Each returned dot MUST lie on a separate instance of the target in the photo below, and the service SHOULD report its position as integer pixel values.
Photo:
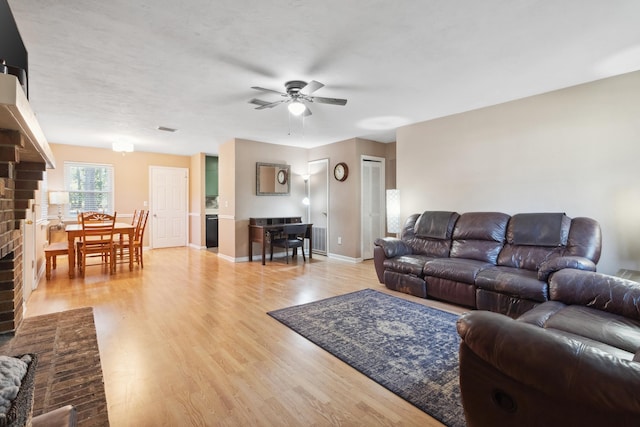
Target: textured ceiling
(105, 71)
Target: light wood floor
(187, 341)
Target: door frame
(325, 163)
(152, 207)
(29, 255)
(364, 158)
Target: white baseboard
(344, 258)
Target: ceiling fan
(297, 94)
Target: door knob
(28, 221)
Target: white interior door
(169, 189)
(319, 204)
(372, 203)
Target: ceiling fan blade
(323, 100)
(311, 87)
(268, 90)
(259, 102)
(264, 104)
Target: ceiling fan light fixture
(122, 147)
(296, 108)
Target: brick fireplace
(18, 184)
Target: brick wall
(18, 183)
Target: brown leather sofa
(571, 361)
(486, 260)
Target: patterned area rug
(69, 369)
(408, 348)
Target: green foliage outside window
(90, 187)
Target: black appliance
(212, 230)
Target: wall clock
(282, 177)
(341, 171)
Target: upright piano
(261, 231)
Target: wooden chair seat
(50, 254)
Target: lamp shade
(393, 211)
(296, 108)
(58, 197)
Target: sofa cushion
(514, 282)
(435, 224)
(480, 250)
(409, 264)
(455, 269)
(527, 257)
(606, 348)
(600, 291)
(612, 329)
(479, 236)
(607, 331)
(539, 229)
(481, 226)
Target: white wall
(574, 150)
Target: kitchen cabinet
(211, 175)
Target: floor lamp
(59, 198)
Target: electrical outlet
(339, 240)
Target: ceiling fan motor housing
(294, 86)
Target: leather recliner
(571, 361)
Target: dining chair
(51, 253)
(293, 237)
(90, 215)
(124, 238)
(96, 239)
(122, 247)
(57, 246)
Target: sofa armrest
(552, 364)
(555, 264)
(393, 246)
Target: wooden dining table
(74, 231)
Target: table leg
(71, 254)
(264, 238)
(131, 232)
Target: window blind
(90, 187)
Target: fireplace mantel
(16, 114)
(24, 157)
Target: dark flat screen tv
(12, 48)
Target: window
(90, 187)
